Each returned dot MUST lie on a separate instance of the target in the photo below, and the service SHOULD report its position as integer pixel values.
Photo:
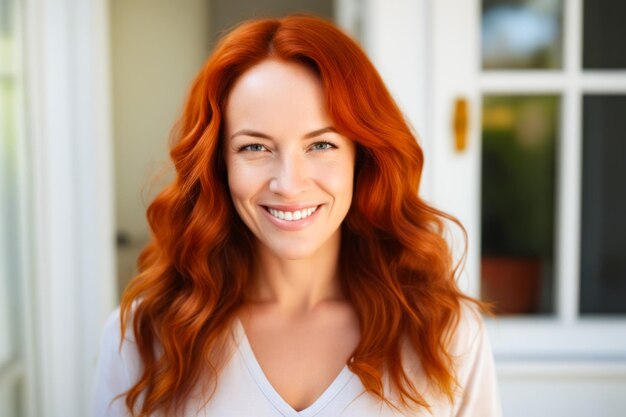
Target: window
(539, 185)
(553, 86)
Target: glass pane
(521, 34)
(519, 135)
(603, 34)
(603, 232)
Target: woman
(293, 269)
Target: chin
(299, 247)
(293, 253)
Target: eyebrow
(248, 132)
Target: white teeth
(292, 215)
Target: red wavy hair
(396, 267)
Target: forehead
(276, 95)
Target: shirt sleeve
(478, 394)
(112, 374)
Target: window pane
(521, 34)
(603, 34)
(603, 232)
(517, 202)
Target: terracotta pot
(512, 283)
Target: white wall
(563, 390)
(157, 48)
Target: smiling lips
(291, 215)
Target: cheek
(242, 181)
(337, 178)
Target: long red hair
(396, 267)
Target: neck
(297, 286)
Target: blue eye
(254, 147)
(322, 146)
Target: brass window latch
(460, 124)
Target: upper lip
(290, 207)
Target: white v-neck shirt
(243, 389)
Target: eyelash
(332, 146)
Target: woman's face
(290, 173)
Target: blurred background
(520, 106)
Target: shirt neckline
(270, 392)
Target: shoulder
(117, 368)
(464, 334)
(112, 329)
(474, 367)
(469, 332)
(112, 347)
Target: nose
(290, 177)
